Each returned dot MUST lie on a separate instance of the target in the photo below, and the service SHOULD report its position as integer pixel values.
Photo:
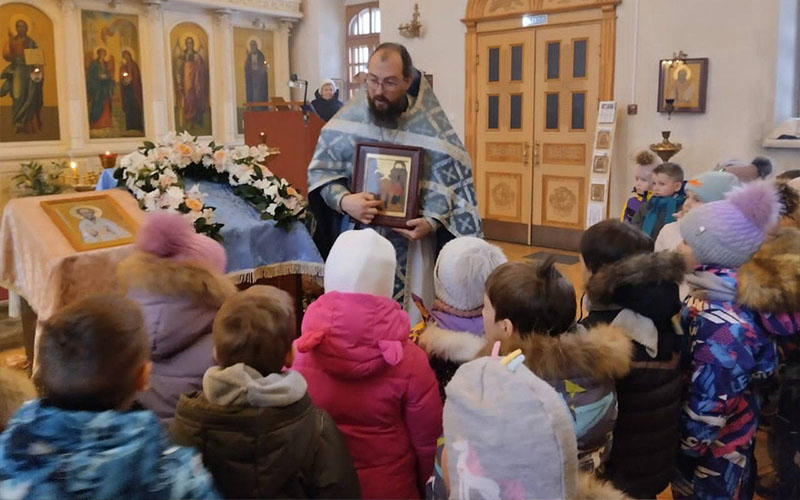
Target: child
(769, 283)
(531, 307)
(176, 278)
(261, 437)
(81, 440)
(530, 452)
(454, 331)
(15, 389)
(635, 289)
(759, 168)
(729, 348)
(667, 200)
(705, 188)
(643, 182)
(362, 368)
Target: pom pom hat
(727, 233)
(171, 236)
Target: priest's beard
(389, 116)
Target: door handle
(525, 148)
(536, 159)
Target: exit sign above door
(533, 20)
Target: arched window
(363, 35)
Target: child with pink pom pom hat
(176, 277)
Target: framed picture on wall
(600, 165)
(391, 173)
(685, 81)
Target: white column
(159, 119)
(225, 111)
(281, 55)
(76, 94)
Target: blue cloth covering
(249, 241)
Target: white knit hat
(361, 262)
(461, 271)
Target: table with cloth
(38, 262)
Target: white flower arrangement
(154, 174)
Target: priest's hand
(363, 207)
(419, 229)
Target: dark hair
(611, 240)
(672, 170)
(789, 175)
(789, 198)
(90, 353)
(408, 65)
(763, 165)
(255, 327)
(535, 297)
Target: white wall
(317, 44)
(440, 50)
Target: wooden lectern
(285, 126)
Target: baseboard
(511, 232)
(556, 237)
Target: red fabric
(378, 387)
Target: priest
(399, 107)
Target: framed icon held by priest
(391, 173)
(91, 221)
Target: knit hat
(727, 233)
(712, 186)
(361, 262)
(461, 270)
(327, 81)
(171, 236)
(507, 435)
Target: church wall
(155, 21)
(740, 38)
(318, 44)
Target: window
(363, 35)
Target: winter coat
(326, 108)
(729, 349)
(632, 205)
(269, 441)
(449, 348)
(770, 284)
(658, 212)
(47, 452)
(582, 366)
(640, 295)
(364, 371)
(179, 302)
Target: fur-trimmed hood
(592, 488)
(450, 345)
(147, 273)
(602, 352)
(638, 270)
(770, 281)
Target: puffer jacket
(364, 371)
(48, 452)
(179, 302)
(268, 440)
(582, 365)
(640, 295)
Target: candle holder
(108, 159)
(666, 149)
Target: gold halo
(74, 211)
(12, 23)
(193, 36)
(682, 67)
(98, 47)
(259, 43)
(123, 49)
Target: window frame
(371, 40)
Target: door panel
(505, 126)
(567, 81)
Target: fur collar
(592, 488)
(770, 281)
(603, 352)
(146, 272)
(635, 270)
(459, 347)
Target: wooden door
(567, 83)
(505, 126)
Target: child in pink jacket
(364, 371)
